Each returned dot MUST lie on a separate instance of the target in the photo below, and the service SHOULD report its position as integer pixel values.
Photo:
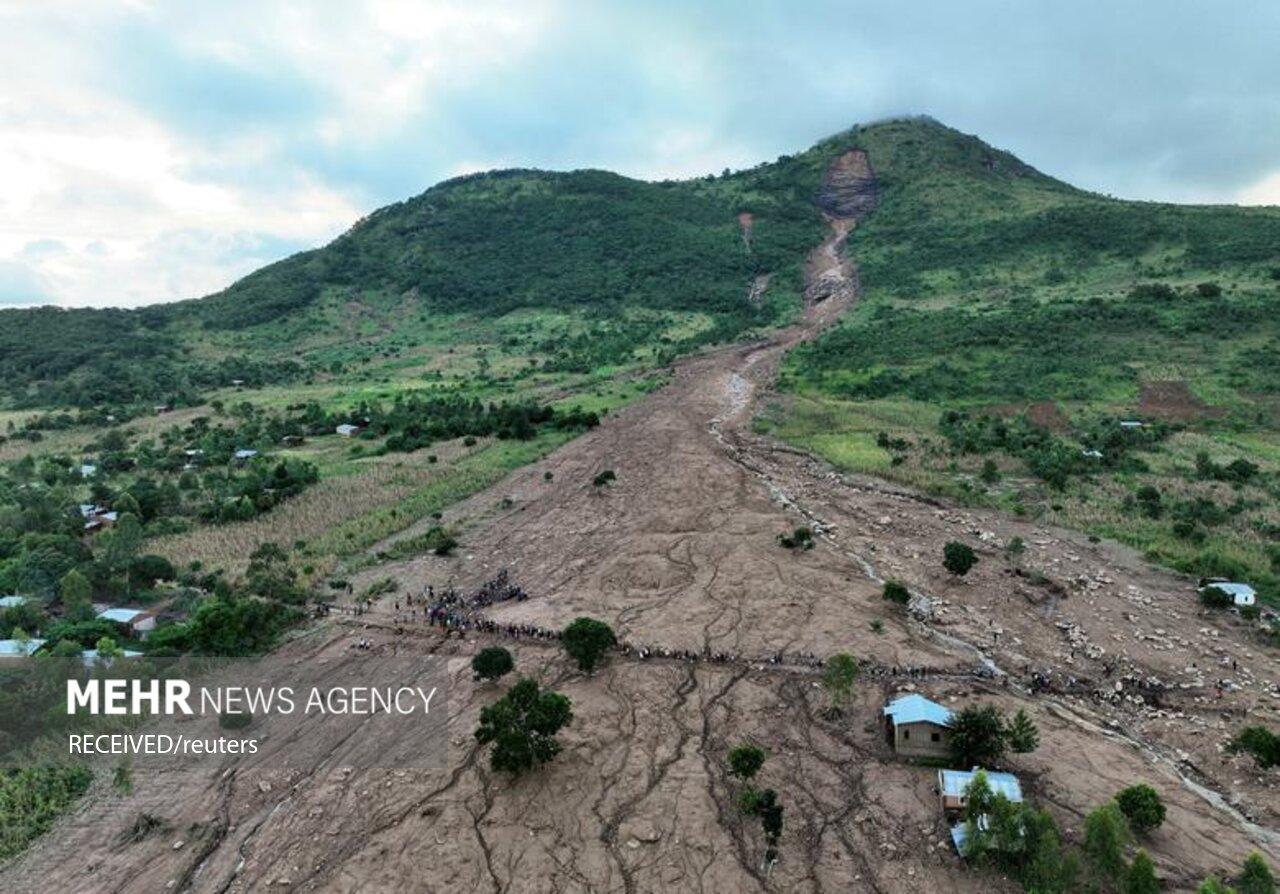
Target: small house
(90, 656)
(88, 470)
(236, 383)
(101, 521)
(953, 785)
(11, 601)
(161, 408)
(243, 456)
(1131, 423)
(14, 648)
(917, 727)
(133, 621)
(292, 441)
(347, 430)
(1241, 594)
(1091, 454)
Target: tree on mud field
(745, 761)
(897, 592)
(799, 539)
(522, 726)
(958, 558)
(492, 663)
(838, 676)
(1021, 734)
(1142, 807)
(604, 478)
(1259, 741)
(764, 805)
(1105, 835)
(1213, 886)
(1257, 877)
(977, 736)
(1140, 877)
(587, 640)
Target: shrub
(604, 478)
(1142, 807)
(800, 539)
(977, 736)
(958, 558)
(1257, 877)
(1021, 734)
(1259, 741)
(492, 663)
(895, 591)
(745, 761)
(587, 640)
(838, 676)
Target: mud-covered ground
(680, 552)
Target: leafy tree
(492, 663)
(77, 604)
(990, 473)
(1140, 877)
(897, 592)
(121, 543)
(108, 648)
(1105, 835)
(587, 640)
(1021, 734)
(1259, 741)
(1257, 877)
(799, 540)
(958, 558)
(604, 478)
(977, 736)
(522, 726)
(1142, 807)
(838, 676)
(745, 761)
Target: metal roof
(954, 783)
(11, 647)
(916, 708)
(121, 615)
(11, 601)
(1234, 589)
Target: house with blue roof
(954, 787)
(917, 727)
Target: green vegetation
(522, 727)
(745, 761)
(30, 801)
(1142, 807)
(958, 558)
(896, 592)
(839, 673)
(799, 540)
(492, 663)
(980, 735)
(1260, 742)
(586, 640)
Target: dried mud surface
(681, 552)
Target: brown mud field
(680, 553)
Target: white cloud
(1265, 192)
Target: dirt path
(681, 551)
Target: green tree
(838, 676)
(1140, 877)
(977, 736)
(604, 478)
(492, 663)
(120, 545)
(1257, 877)
(77, 594)
(522, 726)
(1105, 835)
(990, 473)
(1021, 734)
(108, 648)
(896, 591)
(1213, 886)
(1141, 806)
(745, 761)
(587, 640)
(958, 558)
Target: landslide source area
(680, 555)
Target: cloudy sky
(151, 151)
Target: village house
(132, 621)
(917, 727)
(347, 430)
(1242, 595)
(11, 601)
(243, 455)
(953, 786)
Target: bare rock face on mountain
(848, 187)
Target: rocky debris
(849, 189)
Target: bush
(958, 558)
(492, 663)
(800, 539)
(1259, 741)
(587, 640)
(1021, 734)
(745, 761)
(897, 592)
(604, 478)
(1142, 807)
(977, 736)
(1257, 878)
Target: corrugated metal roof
(11, 601)
(11, 647)
(916, 708)
(1234, 589)
(121, 615)
(953, 783)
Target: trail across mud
(680, 551)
